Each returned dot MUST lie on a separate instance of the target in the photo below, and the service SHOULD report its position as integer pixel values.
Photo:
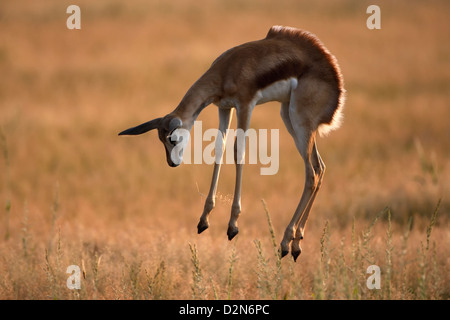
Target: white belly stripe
(277, 91)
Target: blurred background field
(73, 193)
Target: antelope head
(171, 133)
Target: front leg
(225, 116)
(236, 206)
(243, 123)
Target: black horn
(142, 128)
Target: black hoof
(295, 255)
(232, 232)
(284, 253)
(202, 227)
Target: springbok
(290, 66)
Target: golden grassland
(73, 193)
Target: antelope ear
(174, 124)
(142, 128)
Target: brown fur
(252, 66)
(251, 74)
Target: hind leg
(319, 170)
(304, 138)
(301, 119)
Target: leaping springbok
(289, 65)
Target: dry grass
(73, 193)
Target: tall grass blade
(277, 254)
(198, 289)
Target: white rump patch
(338, 117)
(325, 129)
